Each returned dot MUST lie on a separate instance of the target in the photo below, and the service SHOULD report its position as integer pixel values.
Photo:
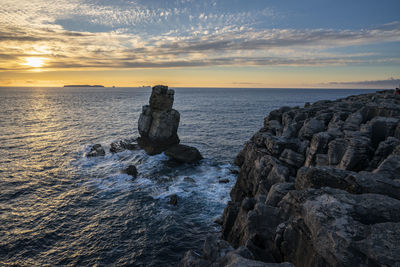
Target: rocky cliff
(317, 186)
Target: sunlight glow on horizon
(213, 43)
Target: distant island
(83, 85)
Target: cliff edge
(317, 186)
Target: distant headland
(83, 85)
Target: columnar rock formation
(158, 123)
(317, 186)
(158, 126)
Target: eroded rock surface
(158, 122)
(158, 127)
(318, 186)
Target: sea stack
(158, 123)
(158, 126)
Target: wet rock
(223, 181)
(173, 199)
(189, 180)
(96, 151)
(122, 145)
(184, 153)
(132, 171)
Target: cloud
(387, 83)
(133, 34)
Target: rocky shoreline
(317, 186)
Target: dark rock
(173, 199)
(356, 156)
(223, 181)
(96, 151)
(131, 170)
(184, 153)
(384, 149)
(353, 122)
(317, 177)
(122, 145)
(215, 248)
(161, 98)
(319, 145)
(158, 122)
(234, 171)
(311, 127)
(390, 167)
(336, 150)
(343, 206)
(189, 180)
(219, 221)
(277, 192)
(192, 259)
(292, 158)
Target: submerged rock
(173, 199)
(132, 171)
(184, 153)
(96, 151)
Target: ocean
(58, 207)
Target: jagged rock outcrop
(158, 126)
(96, 151)
(158, 122)
(122, 145)
(319, 186)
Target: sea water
(58, 207)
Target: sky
(201, 43)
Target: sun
(35, 62)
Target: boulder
(184, 153)
(96, 151)
(173, 199)
(127, 144)
(132, 171)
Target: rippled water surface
(59, 208)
